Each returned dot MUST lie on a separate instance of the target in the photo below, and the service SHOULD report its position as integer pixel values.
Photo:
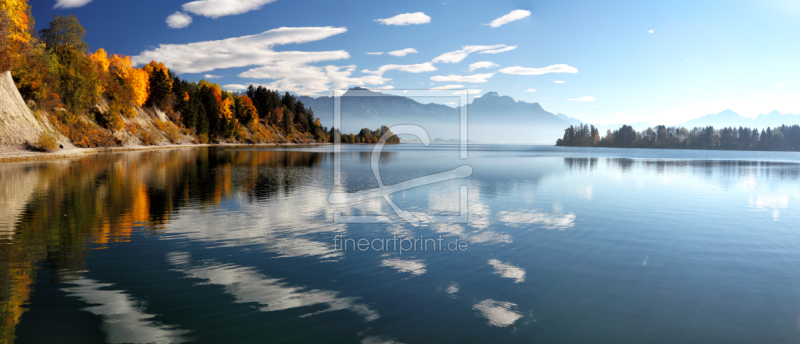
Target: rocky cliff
(18, 125)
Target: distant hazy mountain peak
(492, 118)
(726, 112)
(360, 91)
(495, 99)
(570, 120)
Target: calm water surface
(236, 245)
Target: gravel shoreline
(18, 154)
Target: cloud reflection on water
(556, 220)
(766, 203)
(247, 285)
(508, 270)
(415, 267)
(498, 313)
(124, 320)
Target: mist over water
(237, 244)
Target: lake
(538, 244)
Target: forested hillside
(96, 99)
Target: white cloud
(288, 70)
(211, 76)
(499, 50)
(178, 20)
(235, 87)
(309, 80)
(558, 68)
(583, 99)
(530, 90)
(221, 8)
(406, 19)
(459, 55)
(482, 64)
(650, 31)
(447, 87)
(70, 3)
(243, 51)
(467, 92)
(387, 87)
(475, 78)
(375, 53)
(559, 81)
(403, 52)
(510, 17)
(779, 85)
(412, 68)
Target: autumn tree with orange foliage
(20, 53)
(225, 109)
(245, 110)
(137, 79)
(15, 32)
(101, 58)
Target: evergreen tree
(289, 102)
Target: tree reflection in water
(54, 212)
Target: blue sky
(617, 62)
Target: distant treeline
(783, 138)
(367, 136)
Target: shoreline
(11, 154)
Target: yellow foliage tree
(17, 11)
(246, 110)
(139, 82)
(225, 109)
(120, 66)
(101, 58)
(15, 36)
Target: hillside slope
(18, 126)
(21, 128)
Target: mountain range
(492, 118)
(727, 118)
